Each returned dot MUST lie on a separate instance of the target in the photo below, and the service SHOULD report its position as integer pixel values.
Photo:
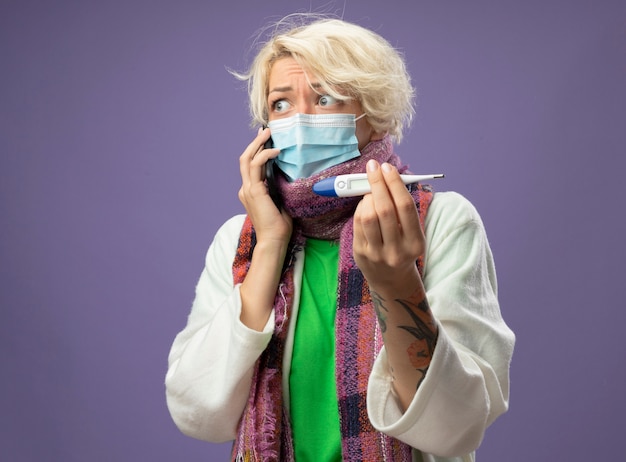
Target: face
(291, 93)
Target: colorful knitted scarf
(264, 432)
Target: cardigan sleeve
(211, 360)
(467, 384)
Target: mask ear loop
(360, 117)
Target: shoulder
(450, 209)
(231, 228)
(456, 240)
(452, 218)
(226, 239)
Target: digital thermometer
(356, 184)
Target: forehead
(284, 70)
(287, 75)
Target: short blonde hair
(347, 60)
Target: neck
(323, 217)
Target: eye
(280, 106)
(327, 100)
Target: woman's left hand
(388, 238)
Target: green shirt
(314, 409)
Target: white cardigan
(465, 389)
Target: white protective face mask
(310, 143)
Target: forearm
(258, 289)
(467, 385)
(409, 333)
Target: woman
(325, 328)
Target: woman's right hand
(273, 229)
(269, 222)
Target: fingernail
(387, 167)
(372, 165)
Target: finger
(376, 179)
(383, 203)
(247, 155)
(255, 156)
(404, 204)
(367, 233)
(264, 154)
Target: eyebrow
(290, 88)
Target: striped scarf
(264, 433)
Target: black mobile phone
(271, 170)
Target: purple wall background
(120, 131)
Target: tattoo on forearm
(424, 330)
(379, 306)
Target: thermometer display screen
(359, 183)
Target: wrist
(397, 284)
